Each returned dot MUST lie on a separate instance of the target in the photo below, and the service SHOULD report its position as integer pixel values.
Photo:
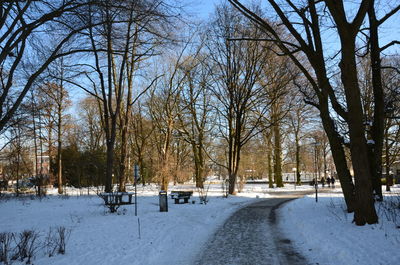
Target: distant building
(42, 166)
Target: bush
(5, 247)
(56, 240)
(26, 246)
(390, 209)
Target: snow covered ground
(98, 237)
(323, 232)
(320, 230)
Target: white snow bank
(97, 237)
(324, 232)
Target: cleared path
(250, 236)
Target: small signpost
(136, 176)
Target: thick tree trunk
(233, 171)
(365, 210)
(38, 182)
(199, 166)
(377, 129)
(122, 164)
(110, 136)
(339, 157)
(165, 158)
(269, 168)
(109, 166)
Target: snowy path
(250, 236)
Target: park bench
(113, 200)
(179, 195)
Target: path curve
(251, 236)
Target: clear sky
(388, 32)
(201, 9)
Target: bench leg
(176, 201)
(186, 200)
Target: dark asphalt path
(250, 236)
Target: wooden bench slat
(178, 195)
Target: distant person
(312, 182)
(323, 182)
(333, 182)
(328, 180)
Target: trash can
(163, 197)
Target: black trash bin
(163, 197)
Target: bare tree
(305, 27)
(237, 69)
(195, 113)
(16, 151)
(24, 55)
(90, 116)
(299, 118)
(58, 96)
(142, 130)
(117, 45)
(164, 110)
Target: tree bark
(377, 129)
(298, 172)
(365, 210)
(339, 157)
(277, 155)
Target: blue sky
(203, 8)
(389, 31)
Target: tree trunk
(377, 129)
(365, 210)
(18, 158)
(339, 157)
(277, 155)
(268, 143)
(109, 166)
(111, 135)
(199, 166)
(59, 144)
(59, 163)
(298, 172)
(141, 166)
(124, 147)
(269, 166)
(232, 182)
(389, 179)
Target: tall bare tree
(299, 119)
(195, 114)
(58, 97)
(303, 22)
(117, 46)
(241, 98)
(164, 110)
(142, 130)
